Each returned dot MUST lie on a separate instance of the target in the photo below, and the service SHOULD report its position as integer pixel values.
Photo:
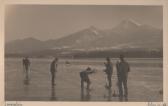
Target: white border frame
(164, 3)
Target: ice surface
(144, 82)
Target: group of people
(122, 68)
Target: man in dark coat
(122, 72)
(108, 71)
(84, 75)
(53, 70)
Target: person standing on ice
(26, 65)
(109, 72)
(53, 70)
(122, 72)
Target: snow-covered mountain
(130, 34)
(127, 34)
(80, 38)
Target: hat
(108, 58)
(56, 58)
(88, 68)
(121, 56)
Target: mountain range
(126, 35)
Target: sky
(46, 22)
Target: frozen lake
(145, 80)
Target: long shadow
(53, 94)
(109, 95)
(85, 96)
(26, 90)
(114, 94)
(26, 80)
(123, 99)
